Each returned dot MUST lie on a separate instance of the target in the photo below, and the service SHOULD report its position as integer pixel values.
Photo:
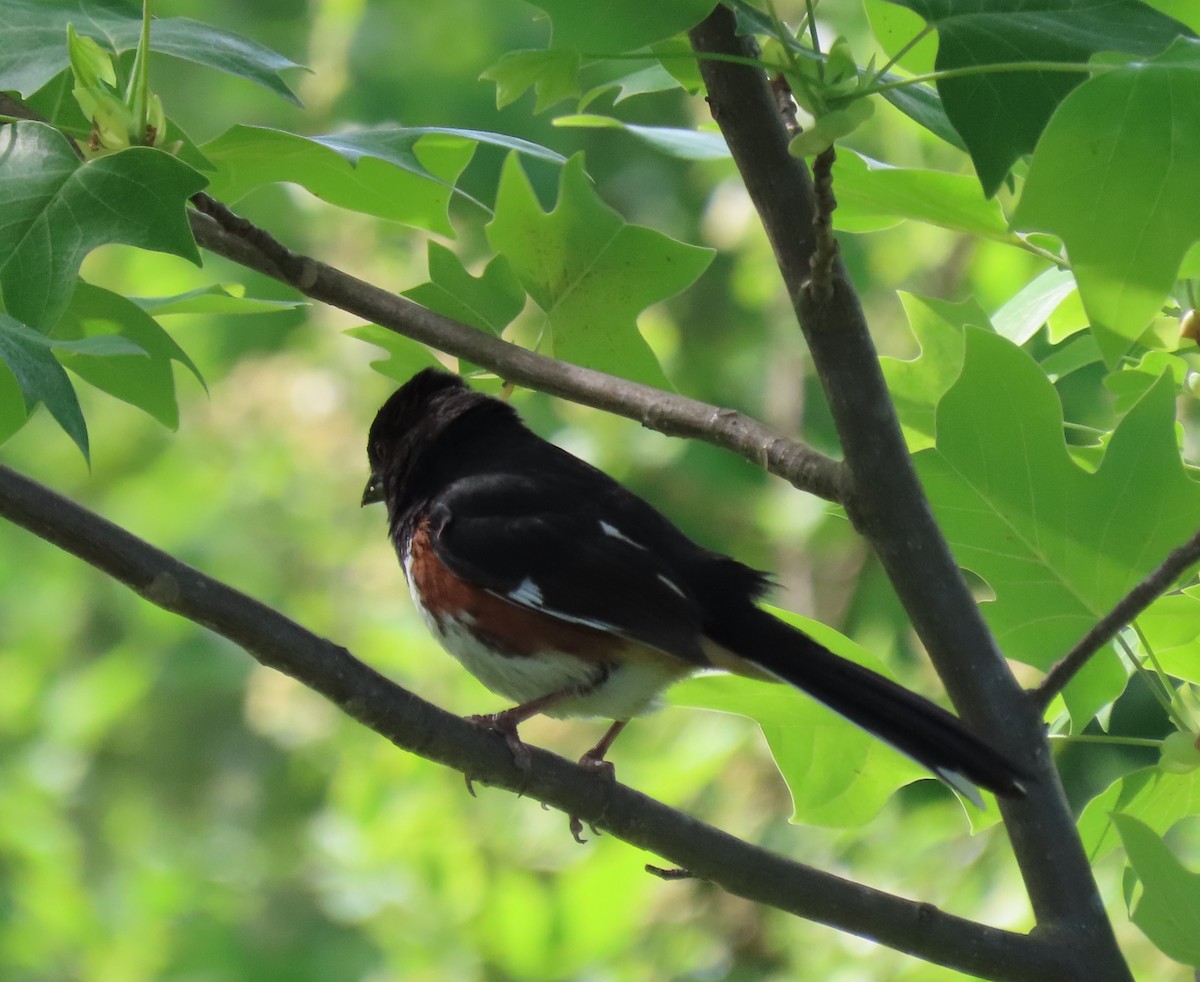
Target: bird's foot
(593, 761)
(505, 724)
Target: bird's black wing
(541, 544)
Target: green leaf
(488, 302)
(656, 78)
(553, 76)
(405, 357)
(147, 380)
(14, 412)
(874, 195)
(917, 385)
(894, 28)
(41, 378)
(1001, 114)
(676, 57)
(219, 298)
(57, 210)
(1131, 382)
(1171, 627)
(33, 48)
(590, 271)
(681, 143)
(403, 174)
(1114, 178)
(617, 26)
(1169, 909)
(1058, 545)
(1094, 688)
(1078, 353)
(412, 184)
(1156, 797)
(838, 775)
(1025, 314)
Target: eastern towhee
(559, 589)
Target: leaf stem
(909, 45)
(1077, 67)
(1104, 738)
(1162, 678)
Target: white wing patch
(526, 592)
(616, 533)
(671, 583)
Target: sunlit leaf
(590, 271)
(1114, 178)
(1059, 546)
(215, 299)
(874, 195)
(488, 302)
(676, 142)
(1169, 909)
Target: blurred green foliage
(169, 810)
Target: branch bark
(421, 728)
(885, 501)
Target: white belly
(620, 692)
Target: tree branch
(1132, 604)
(221, 231)
(885, 501)
(421, 728)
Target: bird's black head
(409, 423)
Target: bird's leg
(594, 760)
(506, 722)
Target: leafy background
(170, 811)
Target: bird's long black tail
(909, 722)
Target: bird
(566, 593)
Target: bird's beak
(373, 492)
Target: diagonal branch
(1105, 629)
(221, 231)
(421, 728)
(885, 501)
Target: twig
(1105, 629)
(221, 231)
(421, 728)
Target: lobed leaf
(58, 209)
(590, 271)
(1169, 909)
(1058, 545)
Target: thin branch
(1127, 608)
(826, 248)
(221, 231)
(421, 728)
(885, 501)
